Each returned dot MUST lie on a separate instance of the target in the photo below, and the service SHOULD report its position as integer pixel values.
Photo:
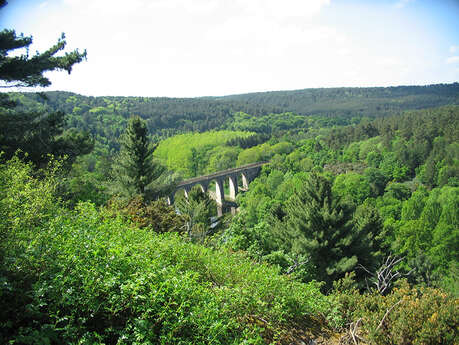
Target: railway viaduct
(247, 173)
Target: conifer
(135, 170)
(321, 226)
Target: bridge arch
(204, 185)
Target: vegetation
(135, 172)
(348, 236)
(354, 102)
(34, 131)
(195, 154)
(88, 275)
(136, 271)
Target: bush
(408, 315)
(86, 276)
(157, 215)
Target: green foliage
(294, 221)
(254, 154)
(269, 124)
(352, 102)
(135, 171)
(87, 180)
(87, 276)
(429, 225)
(353, 186)
(407, 315)
(197, 210)
(377, 181)
(222, 158)
(156, 215)
(40, 134)
(106, 117)
(320, 226)
(190, 154)
(93, 275)
(399, 191)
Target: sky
(193, 48)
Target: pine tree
(27, 71)
(135, 170)
(36, 133)
(319, 225)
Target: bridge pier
(233, 187)
(219, 192)
(245, 184)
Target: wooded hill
(172, 115)
(352, 101)
(371, 196)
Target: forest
(350, 234)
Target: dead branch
(352, 334)
(384, 277)
(295, 265)
(387, 313)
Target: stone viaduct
(247, 173)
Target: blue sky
(188, 48)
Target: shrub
(408, 315)
(87, 276)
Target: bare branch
(295, 265)
(387, 313)
(384, 277)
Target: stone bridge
(247, 173)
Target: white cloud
(452, 59)
(402, 3)
(189, 48)
(283, 9)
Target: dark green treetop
(318, 224)
(135, 172)
(35, 133)
(25, 70)
(38, 134)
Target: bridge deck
(221, 173)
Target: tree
(135, 171)
(197, 210)
(352, 186)
(321, 226)
(24, 70)
(36, 133)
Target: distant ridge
(359, 101)
(106, 117)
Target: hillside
(83, 262)
(352, 101)
(166, 116)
